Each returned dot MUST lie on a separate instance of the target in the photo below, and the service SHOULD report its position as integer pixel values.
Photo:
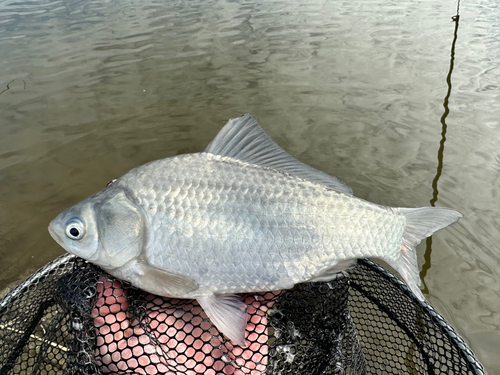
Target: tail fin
(420, 223)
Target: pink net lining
(69, 318)
(174, 336)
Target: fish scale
(257, 206)
(242, 216)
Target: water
(91, 89)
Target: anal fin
(333, 272)
(228, 313)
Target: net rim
(64, 264)
(45, 271)
(436, 317)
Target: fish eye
(75, 230)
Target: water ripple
(354, 88)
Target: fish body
(242, 216)
(263, 229)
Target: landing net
(72, 318)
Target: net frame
(369, 323)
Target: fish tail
(420, 223)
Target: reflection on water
(440, 154)
(91, 89)
(10, 83)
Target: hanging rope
(444, 127)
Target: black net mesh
(72, 318)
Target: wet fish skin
(265, 229)
(242, 216)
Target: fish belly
(235, 227)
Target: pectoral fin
(228, 314)
(164, 283)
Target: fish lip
(54, 234)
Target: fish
(241, 216)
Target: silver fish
(241, 216)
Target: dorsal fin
(242, 138)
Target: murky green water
(91, 89)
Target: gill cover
(121, 230)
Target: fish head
(107, 229)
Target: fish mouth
(54, 234)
